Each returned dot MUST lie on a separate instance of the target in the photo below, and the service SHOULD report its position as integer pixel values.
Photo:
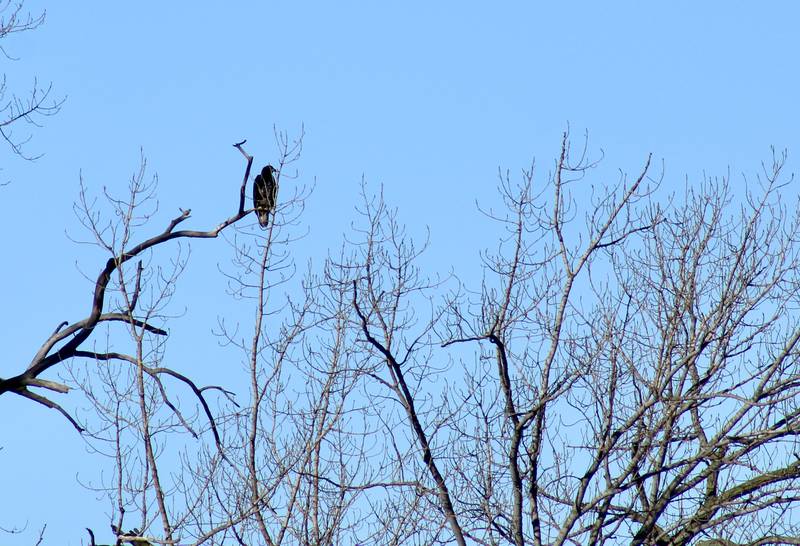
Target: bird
(134, 536)
(264, 193)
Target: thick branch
(77, 333)
(408, 403)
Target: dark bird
(264, 193)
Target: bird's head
(271, 169)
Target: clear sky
(426, 98)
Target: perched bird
(134, 536)
(264, 193)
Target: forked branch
(76, 333)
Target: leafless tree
(119, 287)
(38, 102)
(644, 366)
(643, 370)
(138, 415)
(623, 372)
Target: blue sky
(428, 100)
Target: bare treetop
(625, 371)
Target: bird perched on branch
(264, 193)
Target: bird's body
(264, 193)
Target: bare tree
(624, 372)
(119, 284)
(645, 366)
(137, 413)
(37, 103)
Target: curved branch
(80, 331)
(407, 401)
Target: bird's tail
(263, 218)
